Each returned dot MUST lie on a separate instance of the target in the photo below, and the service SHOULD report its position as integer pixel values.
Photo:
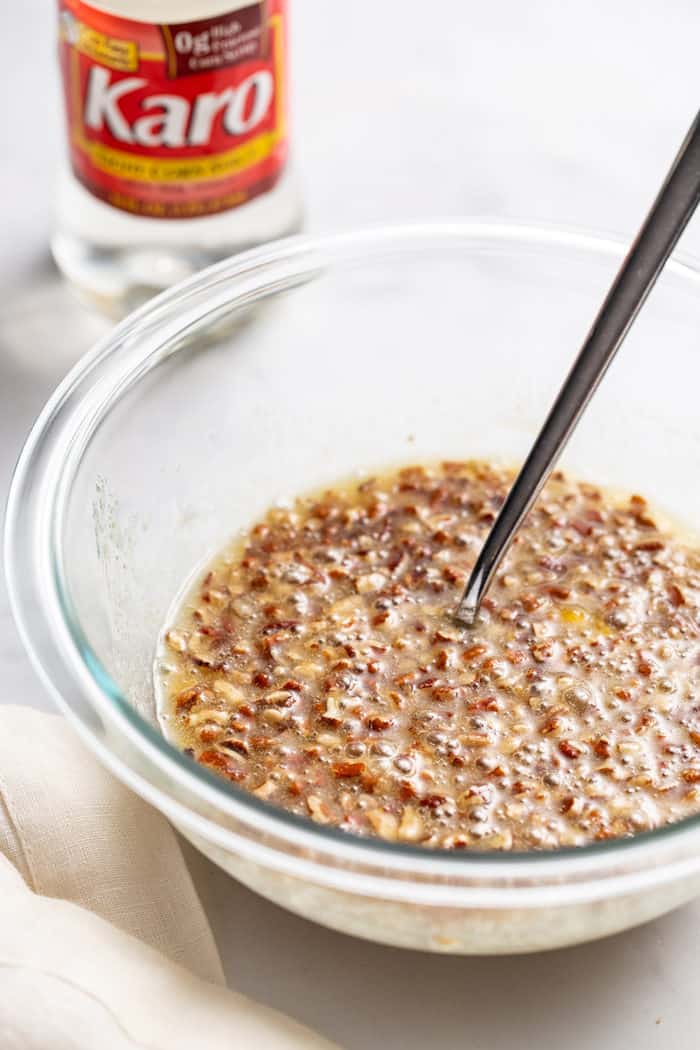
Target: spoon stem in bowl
(668, 217)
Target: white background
(551, 110)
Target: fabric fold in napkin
(103, 939)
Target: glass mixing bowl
(289, 367)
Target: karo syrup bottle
(177, 151)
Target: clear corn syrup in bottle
(177, 143)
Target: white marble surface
(547, 110)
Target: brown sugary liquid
(317, 664)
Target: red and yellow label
(175, 121)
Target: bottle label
(175, 121)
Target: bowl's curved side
(391, 893)
(454, 930)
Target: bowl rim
(54, 638)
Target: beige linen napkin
(103, 941)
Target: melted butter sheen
(316, 664)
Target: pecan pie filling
(318, 665)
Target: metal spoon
(669, 215)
